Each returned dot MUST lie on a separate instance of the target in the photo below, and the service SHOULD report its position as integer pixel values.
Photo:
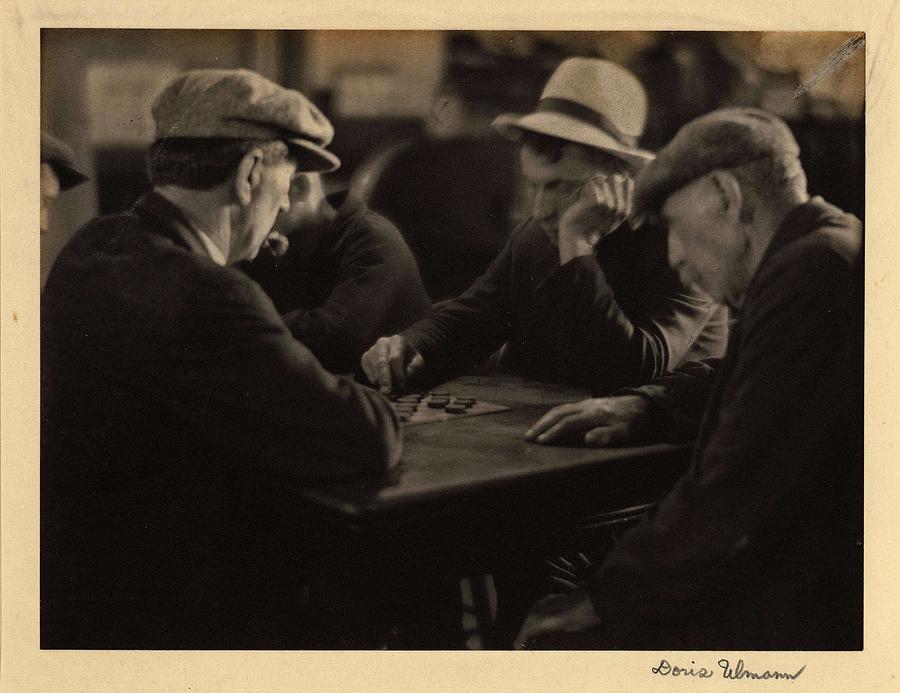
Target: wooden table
(470, 492)
(479, 474)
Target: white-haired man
(759, 544)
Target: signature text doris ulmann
(736, 672)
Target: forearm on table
(677, 400)
(466, 330)
(295, 416)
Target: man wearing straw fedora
(577, 295)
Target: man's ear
(248, 176)
(730, 194)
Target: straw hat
(589, 101)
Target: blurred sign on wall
(373, 93)
(376, 74)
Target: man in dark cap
(58, 173)
(759, 545)
(346, 278)
(576, 296)
(179, 414)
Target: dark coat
(619, 318)
(179, 417)
(759, 545)
(453, 200)
(351, 282)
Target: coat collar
(800, 221)
(170, 222)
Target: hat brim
(313, 158)
(68, 176)
(564, 127)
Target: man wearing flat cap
(576, 296)
(179, 414)
(58, 173)
(759, 544)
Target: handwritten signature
(736, 672)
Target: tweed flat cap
(243, 104)
(62, 160)
(722, 139)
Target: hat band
(583, 113)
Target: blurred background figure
(58, 173)
(452, 188)
(345, 278)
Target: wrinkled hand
(566, 613)
(602, 204)
(391, 364)
(606, 421)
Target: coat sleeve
(613, 347)
(251, 387)
(377, 290)
(677, 399)
(786, 391)
(467, 330)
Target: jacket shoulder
(816, 272)
(833, 246)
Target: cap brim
(311, 157)
(68, 176)
(511, 126)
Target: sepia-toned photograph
(452, 340)
(392, 346)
